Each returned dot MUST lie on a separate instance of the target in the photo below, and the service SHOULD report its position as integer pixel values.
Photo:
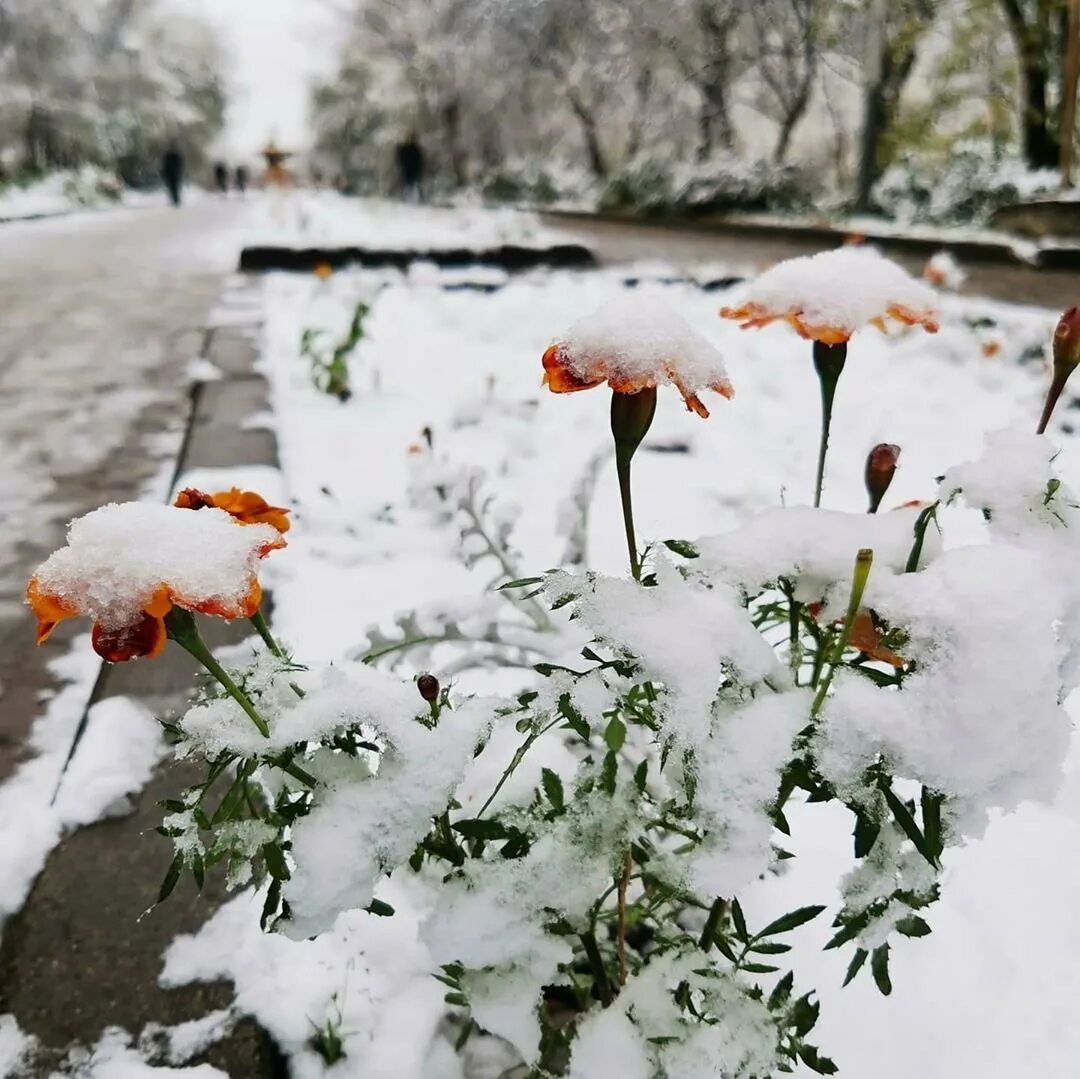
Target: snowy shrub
(720, 185)
(585, 891)
(330, 363)
(966, 187)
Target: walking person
(221, 177)
(172, 172)
(241, 178)
(410, 160)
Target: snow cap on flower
(633, 346)
(126, 565)
(828, 296)
(246, 507)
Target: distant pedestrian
(241, 178)
(221, 177)
(172, 172)
(410, 160)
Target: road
(99, 316)
(616, 241)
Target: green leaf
(769, 947)
(198, 870)
(379, 909)
(931, 818)
(615, 735)
(758, 968)
(902, 816)
(815, 1061)
(682, 547)
(781, 991)
(641, 776)
(574, 719)
(787, 922)
(172, 875)
(866, 832)
(521, 582)
(739, 921)
(724, 948)
(804, 1015)
(481, 829)
(553, 789)
(912, 926)
(607, 773)
(855, 965)
(879, 967)
(848, 932)
(275, 861)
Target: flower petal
(48, 609)
(144, 638)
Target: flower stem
(1052, 395)
(863, 561)
(829, 363)
(631, 416)
(263, 631)
(623, 882)
(180, 627)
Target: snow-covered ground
(62, 192)
(447, 378)
(306, 218)
(971, 999)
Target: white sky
(274, 49)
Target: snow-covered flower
(633, 347)
(828, 296)
(127, 565)
(247, 507)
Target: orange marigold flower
(990, 349)
(323, 270)
(634, 347)
(247, 507)
(126, 566)
(828, 296)
(865, 636)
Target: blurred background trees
(901, 105)
(108, 83)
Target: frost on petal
(608, 1044)
(979, 716)
(738, 774)
(652, 625)
(832, 294)
(361, 828)
(119, 556)
(637, 343)
(814, 548)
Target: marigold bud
(880, 469)
(428, 685)
(1067, 341)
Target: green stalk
(1052, 395)
(863, 561)
(712, 923)
(180, 627)
(263, 630)
(829, 363)
(631, 416)
(596, 965)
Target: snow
(608, 1043)
(119, 556)
(832, 294)
(636, 344)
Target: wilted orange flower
(323, 270)
(247, 507)
(753, 315)
(828, 296)
(560, 377)
(991, 348)
(143, 636)
(865, 636)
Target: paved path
(99, 317)
(614, 241)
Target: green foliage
(330, 366)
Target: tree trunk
(591, 135)
(714, 119)
(1032, 39)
